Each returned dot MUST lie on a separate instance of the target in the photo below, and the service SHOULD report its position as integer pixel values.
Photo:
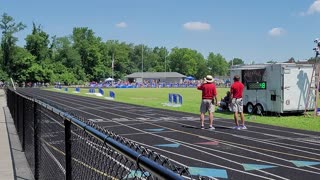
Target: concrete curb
(6, 166)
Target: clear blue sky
(253, 30)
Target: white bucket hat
(208, 78)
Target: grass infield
(156, 97)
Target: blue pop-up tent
(190, 78)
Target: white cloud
(277, 31)
(314, 8)
(197, 26)
(121, 25)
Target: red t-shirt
(237, 89)
(208, 90)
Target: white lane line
(225, 133)
(180, 131)
(274, 141)
(172, 112)
(255, 126)
(189, 157)
(258, 141)
(228, 134)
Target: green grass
(154, 97)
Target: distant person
(209, 100)
(225, 102)
(236, 91)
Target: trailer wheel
(259, 109)
(249, 108)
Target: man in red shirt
(209, 100)
(236, 102)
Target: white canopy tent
(109, 79)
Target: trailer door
(295, 87)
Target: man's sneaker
(236, 128)
(243, 127)
(202, 127)
(212, 128)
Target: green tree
(159, 55)
(8, 41)
(22, 60)
(135, 56)
(61, 73)
(47, 70)
(35, 73)
(202, 69)
(37, 44)
(185, 61)
(123, 65)
(89, 47)
(150, 62)
(64, 53)
(236, 61)
(106, 59)
(67, 78)
(3, 74)
(218, 66)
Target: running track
(261, 152)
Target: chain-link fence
(59, 145)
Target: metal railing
(58, 145)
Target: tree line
(83, 56)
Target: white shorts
(207, 106)
(237, 105)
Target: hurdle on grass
(112, 95)
(175, 100)
(101, 91)
(92, 90)
(77, 90)
(59, 87)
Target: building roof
(263, 66)
(156, 75)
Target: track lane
(95, 106)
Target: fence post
(35, 140)
(67, 131)
(17, 115)
(23, 124)
(15, 107)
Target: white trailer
(277, 88)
